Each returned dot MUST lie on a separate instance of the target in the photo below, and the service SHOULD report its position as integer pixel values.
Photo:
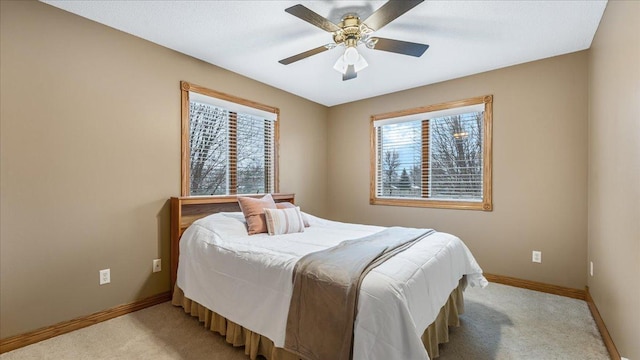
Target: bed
(240, 286)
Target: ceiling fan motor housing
(350, 32)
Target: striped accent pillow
(286, 205)
(284, 221)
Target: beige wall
(90, 145)
(539, 169)
(614, 173)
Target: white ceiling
(249, 37)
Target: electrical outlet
(105, 276)
(536, 256)
(157, 265)
(591, 268)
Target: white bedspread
(248, 280)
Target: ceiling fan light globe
(360, 64)
(351, 55)
(340, 65)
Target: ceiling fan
(352, 32)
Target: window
(433, 156)
(229, 144)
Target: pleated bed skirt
(256, 344)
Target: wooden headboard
(187, 209)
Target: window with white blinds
(231, 145)
(434, 156)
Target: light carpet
(500, 322)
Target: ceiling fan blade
(350, 74)
(389, 12)
(400, 47)
(304, 55)
(312, 18)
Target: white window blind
(255, 155)
(231, 152)
(232, 106)
(455, 161)
(399, 170)
(209, 145)
(437, 156)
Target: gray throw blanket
(325, 292)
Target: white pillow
(225, 225)
(284, 221)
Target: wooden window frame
(185, 88)
(487, 192)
